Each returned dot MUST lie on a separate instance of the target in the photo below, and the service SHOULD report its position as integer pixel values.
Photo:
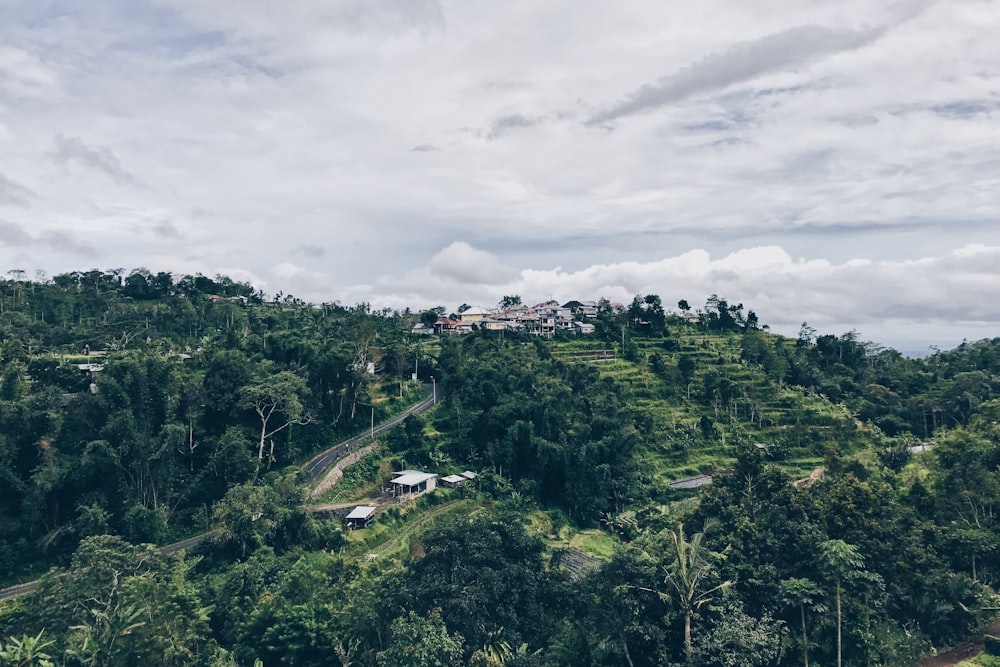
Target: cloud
(742, 62)
(64, 242)
(505, 124)
(301, 282)
(306, 18)
(23, 74)
(102, 159)
(290, 123)
(13, 236)
(462, 263)
(958, 286)
(312, 251)
(14, 194)
(166, 230)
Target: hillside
(142, 409)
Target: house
(412, 483)
(445, 327)
(586, 309)
(546, 325)
(583, 328)
(452, 481)
(361, 516)
(473, 315)
(422, 329)
(564, 323)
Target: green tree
(737, 639)
(509, 301)
(26, 652)
(689, 578)
(277, 400)
(417, 641)
(840, 561)
(801, 593)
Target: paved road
(315, 467)
(18, 590)
(32, 586)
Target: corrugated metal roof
(453, 479)
(413, 478)
(361, 512)
(468, 474)
(691, 482)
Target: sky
(834, 163)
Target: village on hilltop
(542, 319)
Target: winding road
(317, 465)
(314, 467)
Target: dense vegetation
(209, 394)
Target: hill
(140, 409)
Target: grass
(390, 538)
(594, 543)
(981, 660)
(762, 411)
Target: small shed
(468, 474)
(361, 516)
(452, 480)
(412, 482)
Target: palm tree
(26, 652)
(687, 576)
(801, 593)
(841, 561)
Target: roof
(413, 478)
(468, 474)
(361, 512)
(453, 479)
(691, 482)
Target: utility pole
(434, 390)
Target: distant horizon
(911, 339)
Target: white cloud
(462, 263)
(962, 285)
(250, 135)
(24, 74)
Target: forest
(849, 519)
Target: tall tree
(840, 561)
(277, 400)
(688, 576)
(801, 593)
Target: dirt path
(337, 471)
(969, 648)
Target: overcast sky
(829, 162)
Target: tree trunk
(805, 638)
(687, 638)
(628, 657)
(838, 626)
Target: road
(31, 586)
(317, 465)
(315, 468)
